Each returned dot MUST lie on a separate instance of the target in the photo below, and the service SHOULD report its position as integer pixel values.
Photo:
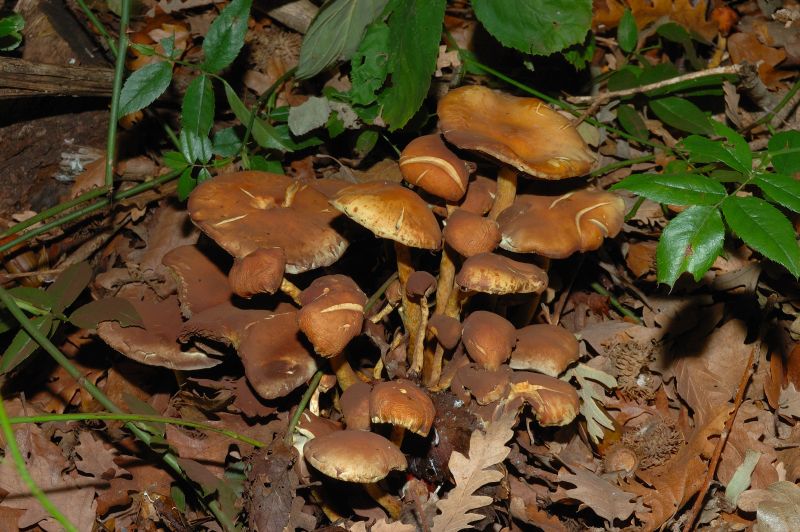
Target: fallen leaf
(600, 496)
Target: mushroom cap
(314, 426)
(446, 329)
(557, 227)
(554, 402)
(427, 163)
(260, 272)
(488, 338)
(403, 403)
(495, 274)
(201, 283)
(354, 456)
(522, 132)
(545, 348)
(469, 233)
(420, 284)
(391, 211)
(332, 313)
(481, 192)
(244, 211)
(484, 385)
(354, 403)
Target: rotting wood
(20, 78)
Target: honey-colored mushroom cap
(332, 313)
(446, 329)
(354, 403)
(554, 402)
(391, 211)
(470, 234)
(427, 163)
(545, 348)
(354, 456)
(522, 132)
(495, 274)
(260, 272)
(557, 227)
(244, 211)
(402, 403)
(488, 338)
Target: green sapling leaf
(143, 87)
(681, 114)
(225, 36)
(627, 32)
(782, 189)
(678, 189)
(690, 243)
(785, 163)
(197, 111)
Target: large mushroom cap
(332, 313)
(545, 348)
(402, 403)
(201, 283)
(427, 163)
(244, 211)
(521, 132)
(495, 274)
(391, 211)
(354, 456)
(557, 227)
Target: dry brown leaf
(603, 498)
(382, 526)
(745, 47)
(780, 511)
(691, 15)
(486, 450)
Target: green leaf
(194, 147)
(10, 31)
(627, 32)
(632, 122)
(538, 27)
(186, 183)
(681, 114)
(260, 163)
(659, 72)
(143, 87)
(35, 296)
(678, 189)
(734, 151)
(309, 115)
(335, 32)
(225, 37)
(763, 228)
(69, 285)
(22, 345)
(175, 160)
(676, 33)
(782, 189)
(366, 140)
(109, 309)
(264, 134)
(626, 77)
(370, 65)
(690, 243)
(197, 111)
(412, 57)
(785, 163)
(580, 55)
(226, 142)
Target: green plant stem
(124, 194)
(52, 211)
(170, 459)
(770, 114)
(119, 72)
(266, 95)
(112, 45)
(615, 302)
(301, 406)
(107, 416)
(622, 164)
(24, 474)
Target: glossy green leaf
(144, 86)
(366, 140)
(37, 297)
(763, 228)
(194, 147)
(681, 114)
(22, 345)
(264, 134)
(785, 163)
(309, 115)
(580, 55)
(733, 151)
(186, 183)
(781, 189)
(109, 309)
(257, 162)
(412, 57)
(627, 32)
(175, 160)
(678, 189)
(226, 142)
(370, 65)
(658, 72)
(335, 33)
(69, 285)
(197, 111)
(225, 36)
(690, 243)
(632, 122)
(626, 77)
(538, 27)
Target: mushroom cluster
(439, 332)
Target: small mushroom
(404, 405)
(354, 403)
(554, 402)
(260, 272)
(427, 163)
(488, 338)
(470, 234)
(545, 348)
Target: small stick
(605, 96)
(723, 438)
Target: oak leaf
(602, 497)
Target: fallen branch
(24, 78)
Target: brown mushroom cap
(557, 227)
(427, 163)
(332, 313)
(481, 192)
(402, 403)
(484, 385)
(355, 406)
(488, 338)
(201, 283)
(354, 456)
(522, 132)
(244, 211)
(446, 329)
(545, 348)
(495, 274)
(391, 211)
(554, 402)
(260, 272)
(420, 284)
(470, 234)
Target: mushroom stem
(291, 290)
(528, 310)
(435, 367)
(344, 373)
(417, 358)
(410, 310)
(506, 191)
(447, 273)
(382, 313)
(396, 436)
(390, 503)
(457, 300)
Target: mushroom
(427, 163)
(447, 331)
(200, 281)
(470, 234)
(404, 405)
(261, 272)
(420, 286)
(554, 402)
(545, 348)
(523, 133)
(354, 403)
(488, 338)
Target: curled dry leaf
(602, 497)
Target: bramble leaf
(225, 36)
(144, 86)
(678, 189)
(763, 228)
(627, 32)
(781, 189)
(631, 121)
(785, 163)
(690, 243)
(681, 114)
(537, 27)
(197, 111)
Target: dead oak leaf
(602, 497)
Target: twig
(779, 111)
(615, 302)
(723, 437)
(605, 96)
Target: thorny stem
(615, 302)
(24, 474)
(301, 406)
(723, 438)
(119, 72)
